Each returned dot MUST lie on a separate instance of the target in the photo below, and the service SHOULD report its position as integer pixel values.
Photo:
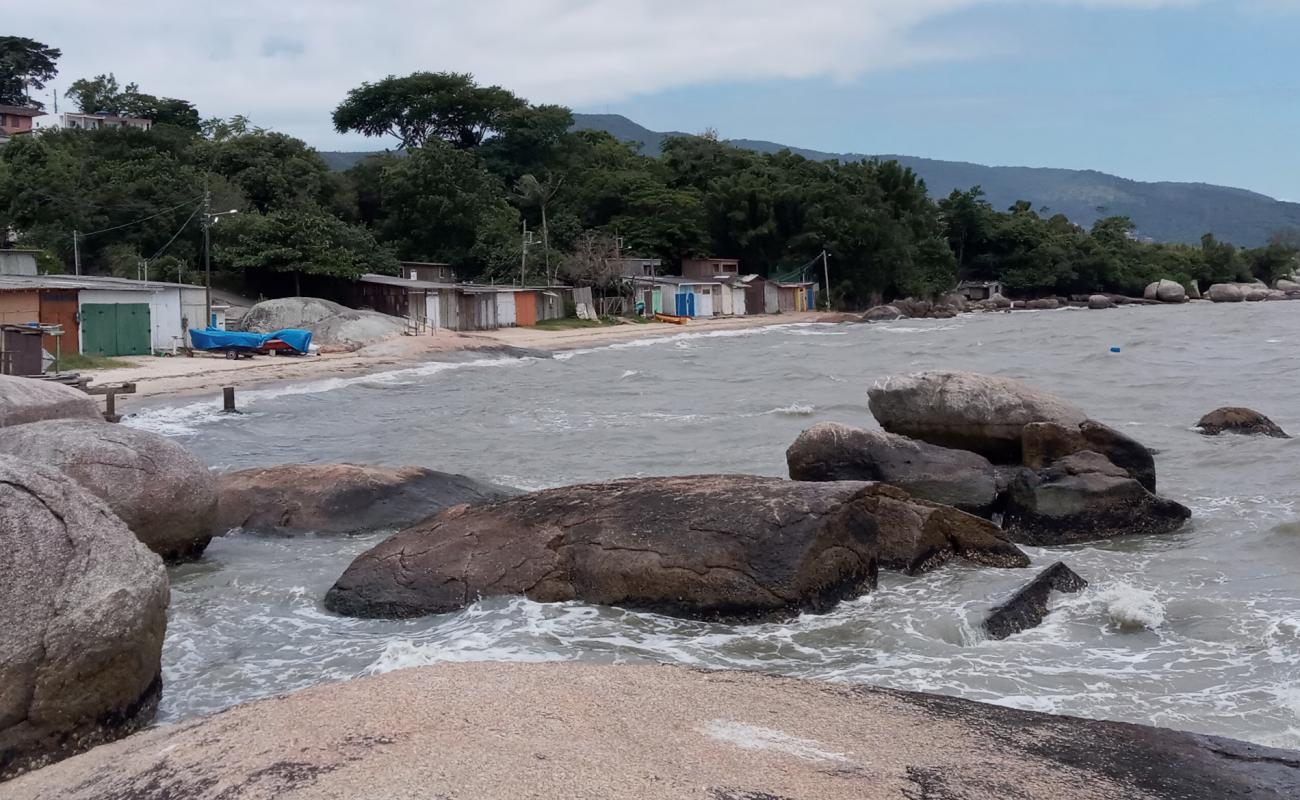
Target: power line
(142, 219)
(178, 232)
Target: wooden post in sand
(228, 400)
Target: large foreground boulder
(833, 452)
(710, 547)
(332, 326)
(1239, 420)
(24, 400)
(341, 498)
(162, 491)
(494, 731)
(1081, 498)
(963, 410)
(83, 609)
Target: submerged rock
(341, 498)
(83, 610)
(981, 413)
(708, 547)
(163, 492)
(24, 400)
(1084, 497)
(833, 452)
(1028, 606)
(1239, 420)
(1044, 304)
(493, 731)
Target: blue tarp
(217, 339)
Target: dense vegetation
(474, 164)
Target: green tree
(25, 66)
(968, 221)
(273, 170)
(298, 242)
(424, 106)
(100, 94)
(533, 193)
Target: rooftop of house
(86, 282)
(21, 111)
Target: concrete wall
(17, 262)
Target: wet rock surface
(1239, 420)
(709, 547)
(83, 611)
(1084, 497)
(833, 452)
(488, 730)
(1028, 606)
(162, 491)
(341, 498)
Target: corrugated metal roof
(406, 283)
(31, 282)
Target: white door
(704, 302)
(737, 301)
(431, 310)
(506, 309)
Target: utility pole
(207, 256)
(76, 252)
(523, 259)
(826, 270)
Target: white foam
(795, 410)
(184, 420)
(1131, 608)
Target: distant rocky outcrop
(333, 326)
(24, 400)
(1098, 302)
(1166, 291)
(162, 491)
(882, 314)
(833, 452)
(83, 610)
(1239, 420)
(1084, 497)
(1225, 293)
(1028, 606)
(341, 498)
(496, 730)
(962, 410)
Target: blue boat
(235, 343)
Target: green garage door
(115, 329)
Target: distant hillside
(1165, 212)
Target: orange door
(525, 309)
(60, 308)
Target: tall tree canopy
(427, 105)
(103, 95)
(25, 67)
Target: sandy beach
(204, 373)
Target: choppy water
(1200, 630)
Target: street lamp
(209, 219)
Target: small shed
(413, 299)
(796, 296)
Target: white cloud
(287, 63)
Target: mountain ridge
(1165, 211)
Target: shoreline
(180, 376)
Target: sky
(1185, 90)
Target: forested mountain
(1165, 212)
